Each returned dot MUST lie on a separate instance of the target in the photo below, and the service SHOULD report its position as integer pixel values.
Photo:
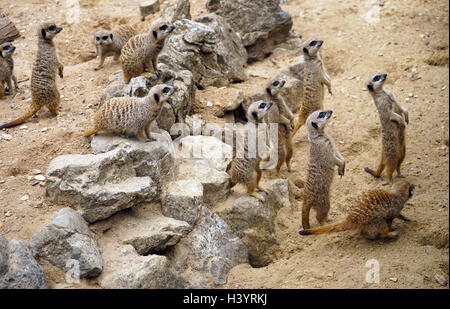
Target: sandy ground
(409, 42)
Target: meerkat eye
(262, 105)
(163, 27)
(322, 115)
(52, 28)
(6, 48)
(376, 78)
(276, 83)
(313, 43)
(105, 37)
(166, 90)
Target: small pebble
(7, 214)
(441, 280)
(7, 137)
(24, 127)
(36, 171)
(393, 279)
(24, 198)
(39, 177)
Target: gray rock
(177, 9)
(209, 148)
(261, 24)
(154, 272)
(18, 268)
(254, 221)
(182, 200)
(205, 256)
(216, 184)
(103, 184)
(66, 238)
(208, 48)
(156, 234)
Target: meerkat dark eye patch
(163, 27)
(97, 38)
(377, 78)
(52, 28)
(105, 37)
(370, 87)
(262, 105)
(166, 90)
(305, 50)
(255, 115)
(156, 96)
(276, 83)
(313, 43)
(322, 115)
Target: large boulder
(208, 48)
(216, 184)
(254, 221)
(149, 272)
(182, 200)
(261, 24)
(176, 9)
(18, 268)
(68, 238)
(209, 148)
(103, 184)
(204, 257)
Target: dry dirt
(410, 43)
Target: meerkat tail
(335, 227)
(90, 132)
(31, 112)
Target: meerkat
(311, 71)
(393, 119)
(141, 51)
(131, 116)
(43, 77)
(110, 42)
(323, 156)
(246, 169)
(372, 213)
(281, 114)
(7, 69)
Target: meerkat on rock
(131, 116)
(244, 168)
(323, 157)
(280, 114)
(311, 71)
(110, 42)
(372, 213)
(141, 51)
(393, 120)
(43, 77)
(7, 69)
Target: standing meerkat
(246, 169)
(281, 114)
(372, 213)
(323, 156)
(110, 42)
(7, 69)
(141, 51)
(393, 119)
(311, 71)
(43, 77)
(131, 116)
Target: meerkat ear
(268, 91)
(370, 87)
(155, 34)
(315, 126)
(255, 115)
(156, 96)
(305, 50)
(111, 36)
(43, 33)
